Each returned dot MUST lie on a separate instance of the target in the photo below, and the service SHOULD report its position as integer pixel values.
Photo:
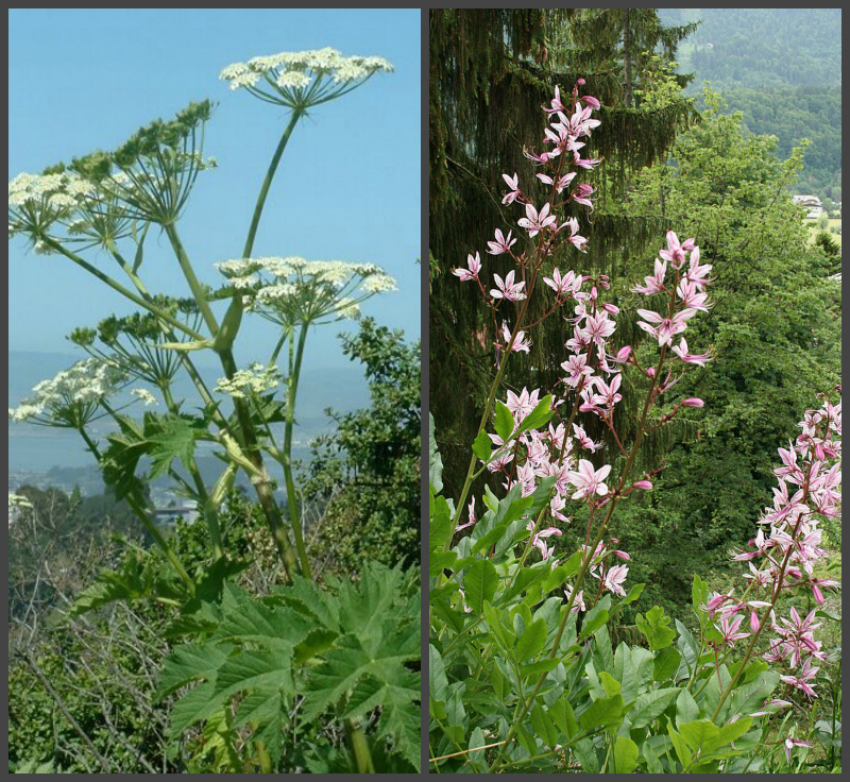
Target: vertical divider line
(424, 380)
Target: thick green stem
(194, 283)
(262, 484)
(267, 182)
(292, 500)
(360, 748)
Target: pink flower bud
(818, 594)
(754, 621)
(592, 102)
(581, 82)
(693, 402)
(651, 371)
(611, 309)
(644, 485)
(624, 353)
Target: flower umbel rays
(299, 80)
(294, 291)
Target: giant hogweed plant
(260, 667)
(523, 672)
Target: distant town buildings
(167, 517)
(812, 204)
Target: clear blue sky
(348, 189)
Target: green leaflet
(345, 649)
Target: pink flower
(583, 440)
(560, 184)
(472, 519)
(589, 481)
(563, 286)
(577, 368)
(583, 192)
(474, 264)
(520, 343)
(507, 288)
(513, 184)
(598, 327)
(535, 221)
(543, 157)
(801, 682)
(667, 328)
(578, 603)
(521, 405)
(730, 630)
(556, 104)
(675, 252)
(790, 743)
(501, 245)
(690, 358)
(654, 284)
(577, 241)
(691, 297)
(615, 577)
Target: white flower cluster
(144, 396)
(257, 379)
(296, 290)
(84, 385)
(297, 77)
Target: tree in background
(775, 329)
(365, 476)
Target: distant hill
(757, 48)
(782, 69)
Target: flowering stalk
(526, 453)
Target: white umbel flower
(299, 80)
(145, 396)
(71, 399)
(292, 290)
(257, 379)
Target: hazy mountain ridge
(782, 69)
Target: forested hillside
(782, 69)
